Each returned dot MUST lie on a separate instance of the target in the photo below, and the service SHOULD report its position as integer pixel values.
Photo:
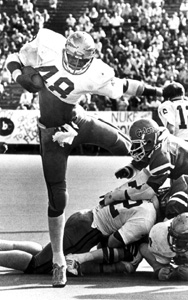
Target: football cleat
(59, 278)
(73, 266)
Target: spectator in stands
(88, 27)
(136, 12)
(174, 23)
(38, 19)
(183, 22)
(6, 21)
(184, 8)
(19, 7)
(132, 35)
(104, 21)
(27, 8)
(53, 4)
(116, 20)
(118, 48)
(5, 77)
(68, 31)
(70, 21)
(182, 40)
(126, 11)
(122, 104)
(93, 15)
(158, 40)
(134, 103)
(18, 38)
(98, 46)
(83, 19)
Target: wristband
(16, 73)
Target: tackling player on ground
(165, 156)
(68, 68)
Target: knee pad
(58, 197)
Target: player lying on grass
(167, 251)
(113, 225)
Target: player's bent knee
(58, 198)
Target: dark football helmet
(178, 234)
(78, 53)
(173, 90)
(143, 134)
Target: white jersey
(132, 219)
(45, 54)
(158, 243)
(175, 113)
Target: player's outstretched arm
(26, 76)
(139, 88)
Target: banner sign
(20, 126)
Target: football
(35, 77)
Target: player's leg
(27, 246)
(100, 268)
(103, 255)
(54, 159)
(98, 132)
(15, 259)
(79, 235)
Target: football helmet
(178, 234)
(78, 53)
(173, 90)
(143, 134)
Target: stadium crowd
(139, 40)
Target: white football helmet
(143, 134)
(78, 53)
(178, 234)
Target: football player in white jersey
(173, 111)
(68, 69)
(167, 251)
(114, 226)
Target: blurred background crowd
(145, 40)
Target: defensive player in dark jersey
(165, 156)
(68, 69)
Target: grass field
(23, 216)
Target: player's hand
(123, 173)
(116, 196)
(30, 80)
(106, 199)
(165, 273)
